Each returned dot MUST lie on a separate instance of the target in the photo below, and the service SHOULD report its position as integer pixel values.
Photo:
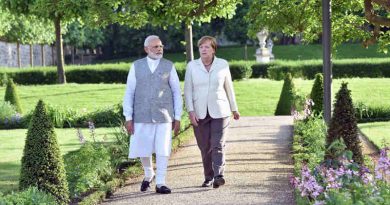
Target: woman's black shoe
(163, 190)
(218, 181)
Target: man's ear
(146, 49)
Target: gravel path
(257, 170)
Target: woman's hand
(194, 120)
(236, 115)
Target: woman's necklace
(212, 60)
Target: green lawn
(254, 96)
(12, 144)
(377, 132)
(282, 52)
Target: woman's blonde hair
(212, 40)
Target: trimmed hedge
(117, 73)
(371, 68)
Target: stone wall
(8, 55)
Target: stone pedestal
(262, 53)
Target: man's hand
(129, 126)
(194, 120)
(176, 127)
(236, 115)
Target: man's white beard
(156, 56)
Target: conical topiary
(42, 164)
(317, 94)
(11, 95)
(287, 96)
(343, 124)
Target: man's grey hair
(149, 39)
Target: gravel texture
(257, 172)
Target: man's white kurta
(151, 138)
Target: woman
(210, 100)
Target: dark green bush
(317, 94)
(287, 96)
(260, 70)
(309, 142)
(87, 168)
(365, 113)
(30, 196)
(240, 70)
(344, 125)
(42, 164)
(11, 96)
(347, 68)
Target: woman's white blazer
(211, 90)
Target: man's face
(155, 49)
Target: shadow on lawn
(9, 176)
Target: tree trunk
(43, 55)
(189, 45)
(73, 53)
(31, 56)
(60, 52)
(18, 54)
(53, 60)
(82, 58)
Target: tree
(61, 12)
(317, 94)
(377, 13)
(42, 163)
(343, 125)
(82, 37)
(287, 97)
(5, 24)
(304, 18)
(11, 95)
(187, 12)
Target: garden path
(257, 172)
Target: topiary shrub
(42, 164)
(287, 96)
(343, 125)
(12, 96)
(317, 94)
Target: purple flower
(382, 169)
(80, 135)
(308, 185)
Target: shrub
(42, 164)
(309, 142)
(343, 124)
(86, 168)
(31, 196)
(260, 70)
(6, 111)
(12, 96)
(286, 99)
(365, 113)
(240, 70)
(317, 94)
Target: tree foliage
(304, 18)
(343, 124)
(42, 163)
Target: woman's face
(206, 50)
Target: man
(152, 106)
